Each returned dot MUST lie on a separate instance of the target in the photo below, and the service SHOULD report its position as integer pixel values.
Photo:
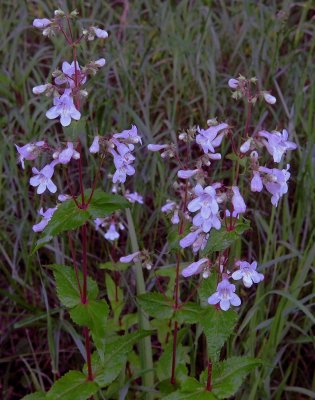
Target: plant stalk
(145, 343)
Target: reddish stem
(209, 381)
(76, 270)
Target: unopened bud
(59, 13)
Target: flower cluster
(216, 204)
(120, 146)
(67, 90)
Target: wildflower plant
(207, 211)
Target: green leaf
(207, 288)
(234, 157)
(217, 326)
(93, 314)
(164, 365)
(103, 203)
(227, 376)
(116, 351)
(67, 286)
(201, 394)
(35, 396)
(222, 239)
(188, 313)
(67, 217)
(173, 237)
(73, 385)
(156, 305)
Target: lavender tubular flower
(47, 215)
(225, 295)
(42, 179)
(186, 174)
(275, 182)
(277, 143)
(64, 108)
(247, 272)
(195, 268)
(209, 139)
(29, 151)
(238, 201)
(112, 233)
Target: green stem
(145, 343)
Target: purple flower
(41, 22)
(29, 151)
(209, 139)
(134, 257)
(269, 98)
(187, 173)
(68, 75)
(157, 147)
(64, 107)
(175, 218)
(248, 273)
(100, 62)
(112, 233)
(238, 201)
(47, 215)
(63, 197)
(95, 146)
(123, 167)
(276, 182)
(69, 152)
(42, 179)
(207, 203)
(256, 184)
(129, 136)
(246, 146)
(197, 239)
(233, 83)
(41, 88)
(277, 143)
(195, 268)
(168, 206)
(225, 295)
(100, 33)
(134, 197)
(189, 239)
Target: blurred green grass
(167, 69)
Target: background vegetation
(167, 69)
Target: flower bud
(59, 13)
(269, 98)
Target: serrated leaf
(67, 286)
(173, 237)
(220, 240)
(93, 314)
(156, 305)
(207, 288)
(103, 203)
(228, 375)
(188, 313)
(217, 326)
(35, 396)
(73, 385)
(116, 352)
(67, 217)
(164, 365)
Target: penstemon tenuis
(209, 214)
